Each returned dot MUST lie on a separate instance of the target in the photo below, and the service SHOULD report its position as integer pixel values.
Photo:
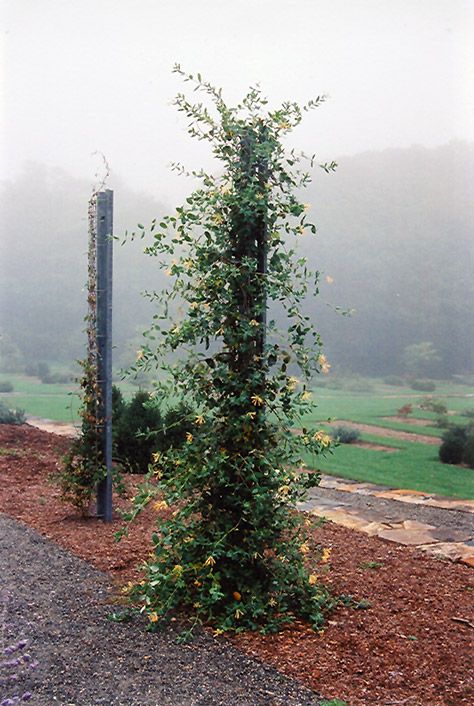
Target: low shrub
(453, 445)
(423, 385)
(405, 410)
(138, 431)
(430, 404)
(43, 372)
(468, 455)
(11, 416)
(140, 428)
(468, 413)
(442, 421)
(6, 386)
(346, 435)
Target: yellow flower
(323, 362)
(194, 305)
(252, 415)
(217, 218)
(220, 332)
(254, 322)
(218, 631)
(189, 437)
(306, 395)
(210, 561)
(284, 490)
(156, 457)
(188, 264)
(238, 613)
(178, 569)
(153, 617)
(256, 400)
(140, 355)
(304, 549)
(312, 579)
(199, 420)
(325, 555)
(127, 588)
(324, 439)
(292, 383)
(237, 596)
(160, 505)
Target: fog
(87, 75)
(395, 237)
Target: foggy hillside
(394, 238)
(396, 235)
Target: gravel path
(59, 604)
(393, 510)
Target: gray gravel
(386, 510)
(59, 603)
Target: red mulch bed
(407, 646)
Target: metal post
(104, 343)
(262, 244)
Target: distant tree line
(394, 244)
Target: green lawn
(372, 407)
(415, 466)
(59, 402)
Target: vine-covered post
(104, 344)
(232, 551)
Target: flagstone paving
(440, 526)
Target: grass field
(413, 466)
(59, 402)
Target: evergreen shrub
(346, 435)
(453, 444)
(11, 416)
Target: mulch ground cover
(405, 639)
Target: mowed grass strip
(375, 407)
(413, 466)
(59, 401)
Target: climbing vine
(83, 466)
(232, 553)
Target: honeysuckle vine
(232, 553)
(83, 466)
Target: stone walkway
(440, 526)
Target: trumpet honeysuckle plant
(232, 554)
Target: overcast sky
(87, 75)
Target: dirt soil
(408, 640)
(390, 433)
